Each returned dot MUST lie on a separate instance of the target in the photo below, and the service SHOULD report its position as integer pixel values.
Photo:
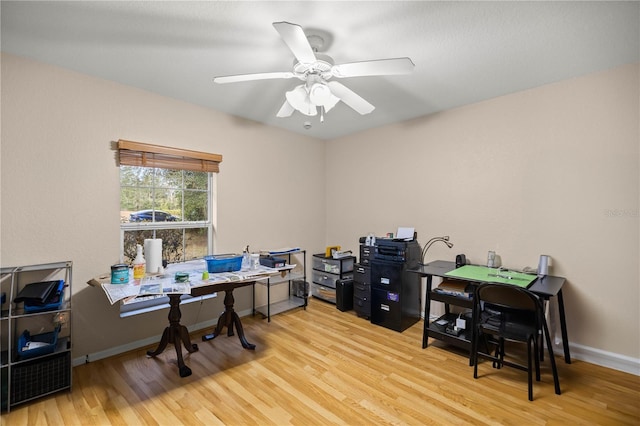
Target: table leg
(563, 328)
(229, 318)
(177, 334)
(427, 312)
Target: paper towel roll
(153, 254)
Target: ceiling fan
(316, 71)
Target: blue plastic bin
(223, 263)
(49, 339)
(54, 301)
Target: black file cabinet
(362, 289)
(395, 292)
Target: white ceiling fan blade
(286, 110)
(296, 39)
(350, 98)
(250, 77)
(377, 67)
(333, 100)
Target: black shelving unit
(295, 278)
(436, 331)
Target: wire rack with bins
(26, 373)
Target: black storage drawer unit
(327, 273)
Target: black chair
(510, 313)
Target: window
(165, 193)
(170, 204)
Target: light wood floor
(320, 367)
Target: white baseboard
(603, 358)
(144, 342)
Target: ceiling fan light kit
(316, 70)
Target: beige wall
(552, 170)
(60, 185)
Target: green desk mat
(484, 274)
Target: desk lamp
(434, 240)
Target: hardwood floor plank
(321, 366)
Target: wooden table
(178, 334)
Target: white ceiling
(464, 52)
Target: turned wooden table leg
(228, 319)
(177, 334)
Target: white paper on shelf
(405, 233)
(284, 250)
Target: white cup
(255, 260)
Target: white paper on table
(116, 292)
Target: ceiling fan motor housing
(322, 67)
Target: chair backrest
(510, 300)
(507, 296)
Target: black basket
(300, 288)
(40, 377)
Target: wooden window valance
(146, 155)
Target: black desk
(545, 287)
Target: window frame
(138, 154)
(209, 223)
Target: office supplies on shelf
(330, 250)
(454, 288)
(37, 292)
(52, 302)
(339, 254)
(284, 250)
(272, 261)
